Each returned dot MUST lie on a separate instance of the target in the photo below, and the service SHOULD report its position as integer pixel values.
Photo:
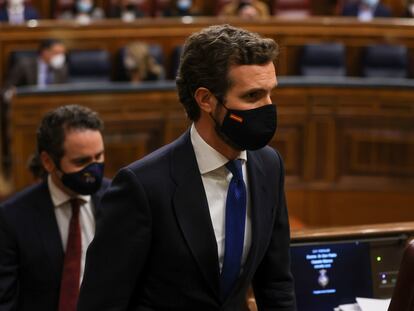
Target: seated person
(409, 9)
(48, 68)
(246, 9)
(83, 11)
(365, 10)
(17, 12)
(140, 64)
(127, 10)
(181, 8)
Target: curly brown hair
(207, 56)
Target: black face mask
(86, 181)
(248, 129)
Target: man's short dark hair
(207, 56)
(55, 124)
(48, 43)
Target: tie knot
(75, 203)
(235, 167)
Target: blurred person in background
(83, 11)
(140, 65)
(17, 12)
(49, 67)
(365, 10)
(127, 10)
(246, 9)
(181, 8)
(409, 9)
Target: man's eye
(80, 162)
(253, 95)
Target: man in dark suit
(17, 12)
(192, 225)
(46, 228)
(366, 10)
(49, 67)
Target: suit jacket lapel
(259, 202)
(192, 211)
(97, 197)
(48, 230)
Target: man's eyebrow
(81, 159)
(99, 153)
(255, 90)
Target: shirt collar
(208, 158)
(59, 197)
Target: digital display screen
(328, 275)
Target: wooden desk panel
(347, 149)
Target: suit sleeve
(118, 252)
(273, 281)
(16, 76)
(8, 266)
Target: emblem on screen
(323, 278)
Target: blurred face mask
(184, 5)
(86, 181)
(16, 2)
(84, 6)
(57, 61)
(130, 63)
(128, 16)
(370, 3)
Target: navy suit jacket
(31, 251)
(352, 9)
(155, 247)
(29, 13)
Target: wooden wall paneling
(23, 146)
(175, 125)
(327, 207)
(297, 203)
(397, 7)
(376, 134)
(291, 129)
(43, 7)
(289, 142)
(377, 147)
(123, 147)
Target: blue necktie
(235, 222)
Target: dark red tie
(69, 287)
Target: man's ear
(47, 162)
(205, 99)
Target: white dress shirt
(63, 213)
(42, 72)
(216, 179)
(16, 14)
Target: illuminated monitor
(329, 274)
